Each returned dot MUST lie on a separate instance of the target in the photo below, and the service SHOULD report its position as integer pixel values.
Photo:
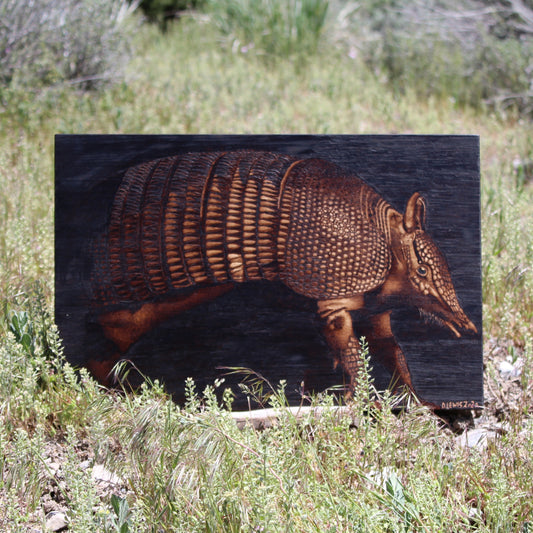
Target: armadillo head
(432, 290)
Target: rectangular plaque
(188, 254)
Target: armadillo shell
(334, 237)
(189, 220)
(210, 218)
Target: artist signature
(461, 404)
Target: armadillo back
(190, 220)
(210, 218)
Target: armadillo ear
(415, 213)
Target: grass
(274, 28)
(190, 468)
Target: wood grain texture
(264, 325)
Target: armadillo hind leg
(102, 371)
(124, 327)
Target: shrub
(46, 42)
(273, 27)
(473, 52)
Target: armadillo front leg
(339, 334)
(384, 347)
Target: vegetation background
(76, 456)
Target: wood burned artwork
(191, 254)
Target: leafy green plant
(22, 329)
(121, 522)
(403, 505)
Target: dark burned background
(265, 326)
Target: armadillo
(188, 228)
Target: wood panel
(264, 325)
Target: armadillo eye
(422, 270)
